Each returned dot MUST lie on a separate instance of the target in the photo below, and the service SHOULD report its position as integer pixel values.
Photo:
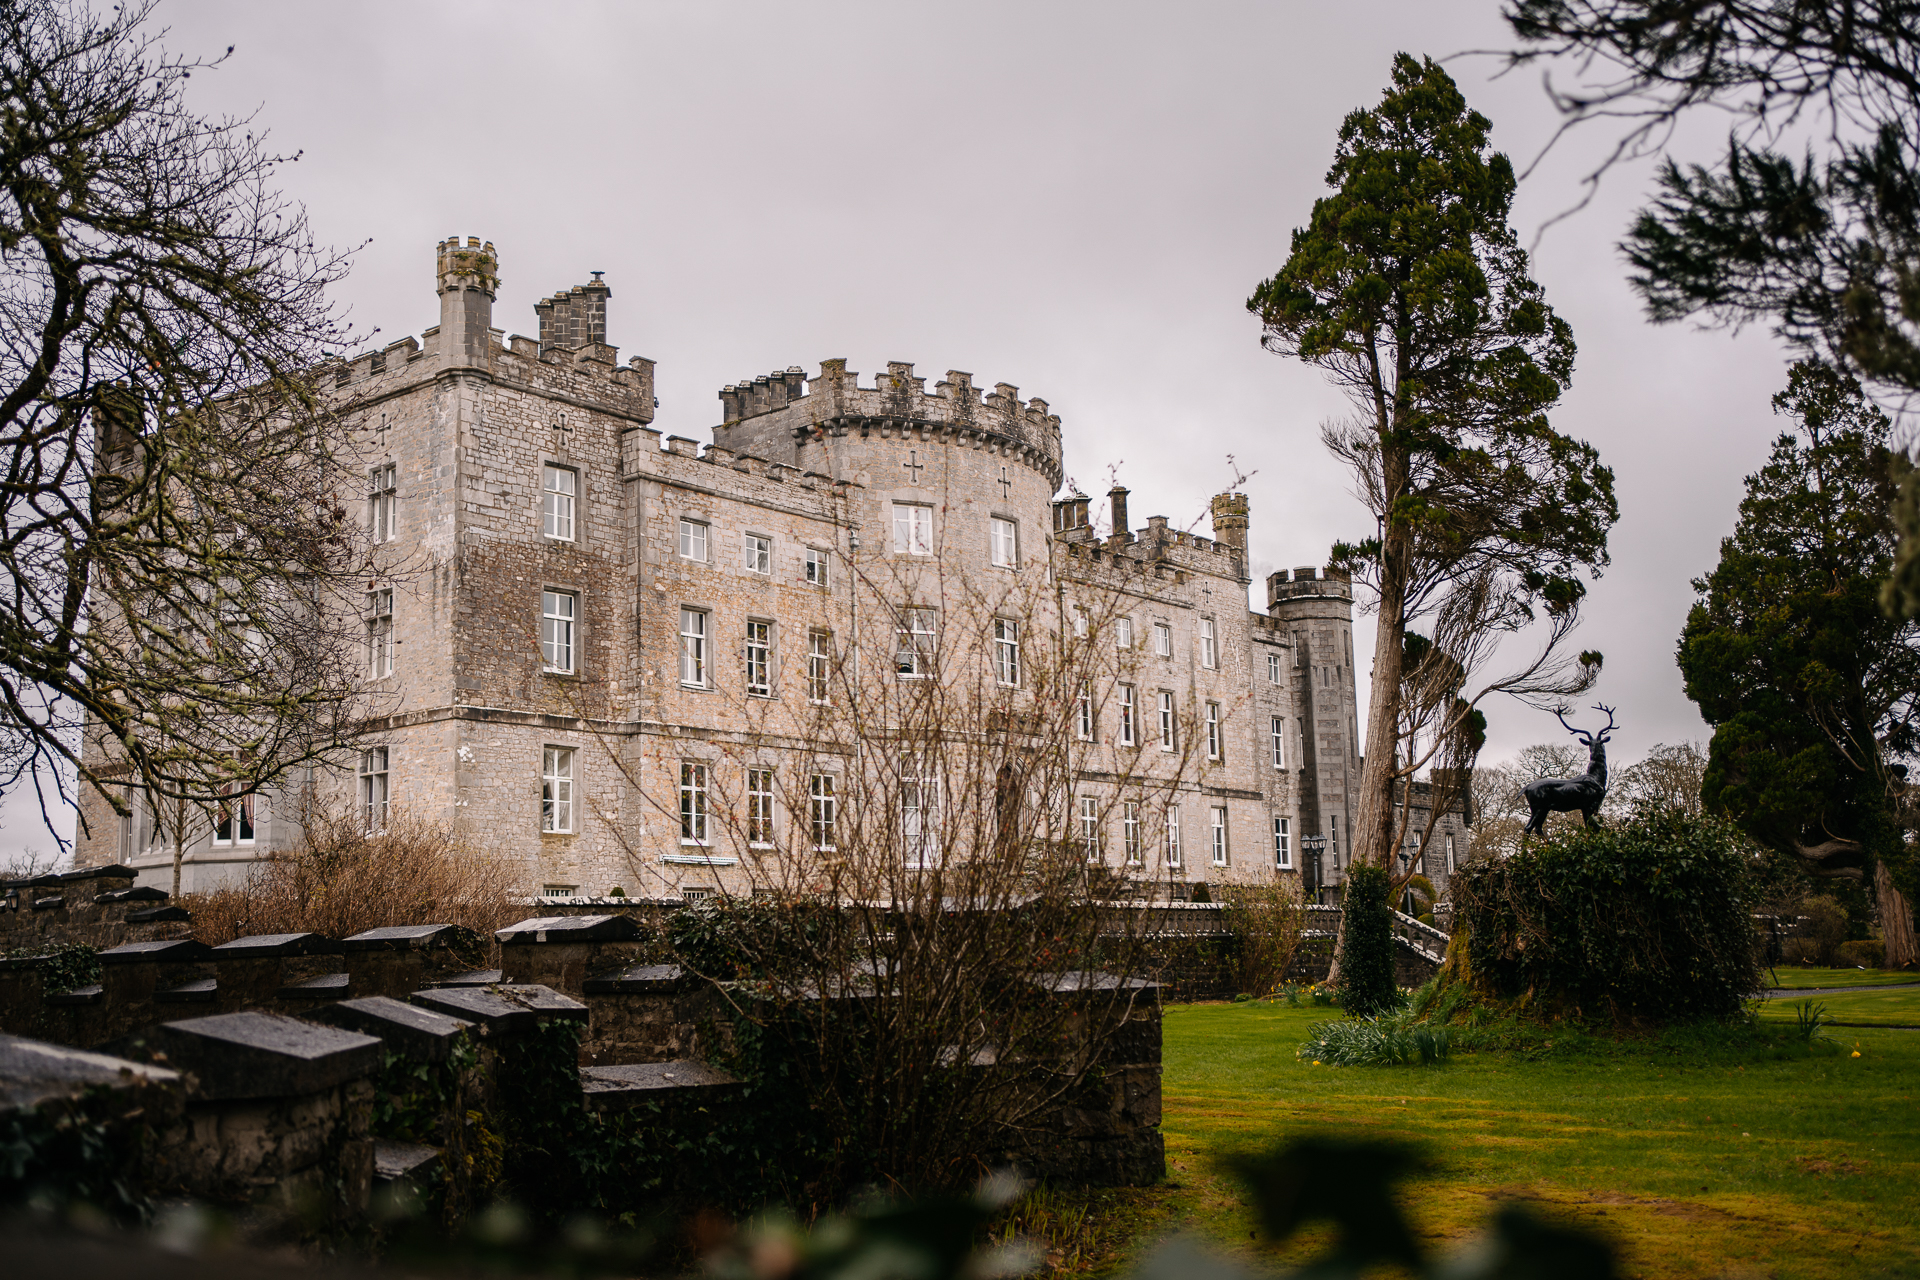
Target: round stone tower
(1316, 610)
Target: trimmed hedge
(1367, 985)
(1645, 922)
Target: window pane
(1123, 633)
(1005, 543)
(760, 658)
(818, 671)
(557, 502)
(693, 540)
(759, 554)
(693, 648)
(556, 629)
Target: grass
(1800, 979)
(1855, 1008)
(1702, 1158)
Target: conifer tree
(1813, 692)
(1408, 287)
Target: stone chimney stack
(1230, 520)
(574, 318)
(469, 279)
(1117, 503)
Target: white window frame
(1169, 722)
(819, 667)
(1083, 713)
(375, 794)
(233, 823)
(1215, 747)
(756, 551)
(822, 815)
(696, 808)
(559, 629)
(1450, 853)
(1162, 640)
(1129, 716)
(1283, 843)
(383, 502)
(1003, 538)
(916, 634)
(1209, 645)
(1333, 837)
(1006, 652)
(1219, 835)
(1172, 838)
(1130, 831)
(694, 536)
(759, 658)
(817, 562)
(759, 808)
(919, 814)
(1279, 742)
(694, 624)
(380, 633)
(1123, 633)
(912, 529)
(1273, 667)
(1090, 828)
(559, 496)
(556, 790)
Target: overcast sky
(1074, 198)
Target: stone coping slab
(92, 993)
(326, 986)
(198, 991)
(409, 1030)
(158, 915)
(473, 978)
(55, 903)
(168, 951)
(33, 1072)
(395, 1161)
(404, 937)
(617, 1088)
(264, 945)
(570, 929)
(264, 1055)
(502, 1008)
(146, 893)
(638, 979)
(113, 871)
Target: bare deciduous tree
(173, 553)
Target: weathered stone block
(408, 1030)
(264, 1055)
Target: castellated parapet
(778, 415)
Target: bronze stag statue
(1565, 795)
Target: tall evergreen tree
(1813, 691)
(1408, 287)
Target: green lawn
(1802, 1167)
(1800, 979)
(1861, 1008)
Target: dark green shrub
(1646, 921)
(1366, 945)
(1861, 953)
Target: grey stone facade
(465, 433)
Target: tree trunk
(1896, 921)
(179, 842)
(1370, 842)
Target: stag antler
(1602, 735)
(1560, 714)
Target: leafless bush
(934, 835)
(344, 879)
(1267, 921)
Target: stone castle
(578, 633)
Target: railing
(1424, 938)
